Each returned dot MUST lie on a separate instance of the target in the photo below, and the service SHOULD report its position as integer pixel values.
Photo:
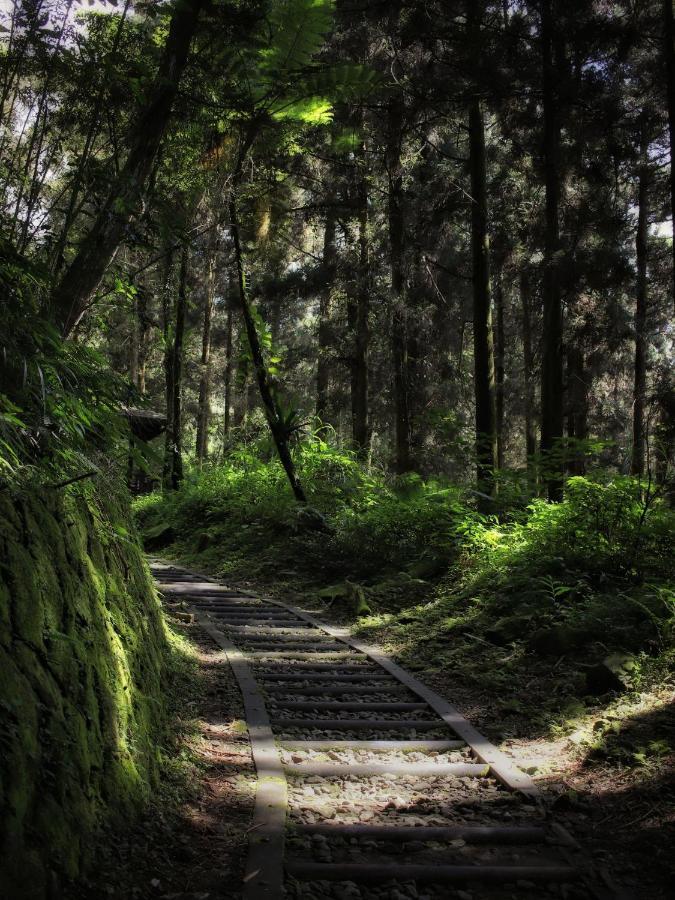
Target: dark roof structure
(145, 424)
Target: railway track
(369, 783)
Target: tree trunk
(577, 412)
(669, 53)
(328, 278)
(358, 312)
(74, 291)
(638, 455)
(228, 374)
(552, 343)
(168, 328)
(144, 325)
(483, 347)
(176, 475)
(272, 412)
(361, 333)
(204, 401)
(528, 371)
(499, 341)
(399, 339)
(134, 345)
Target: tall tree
(227, 376)
(499, 356)
(552, 340)
(640, 366)
(72, 294)
(399, 309)
(204, 398)
(173, 362)
(275, 419)
(358, 314)
(483, 339)
(669, 57)
(328, 274)
(528, 371)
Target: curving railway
(369, 784)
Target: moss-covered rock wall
(82, 653)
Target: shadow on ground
(191, 842)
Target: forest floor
(605, 764)
(191, 842)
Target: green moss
(83, 654)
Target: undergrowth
(523, 604)
(598, 560)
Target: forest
(366, 308)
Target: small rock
(556, 641)
(310, 519)
(429, 567)
(612, 674)
(159, 537)
(346, 891)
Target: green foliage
(60, 404)
(84, 658)
(283, 78)
(597, 563)
(375, 524)
(397, 527)
(295, 31)
(599, 528)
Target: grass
(523, 603)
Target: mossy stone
(83, 652)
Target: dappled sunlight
(365, 310)
(193, 833)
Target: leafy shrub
(397, 530)
(374, 524)
(59, 405)
(598, 528)
(598, 560)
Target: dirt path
(197, 848)
(191, 844)
(357, 808)
(622, 812)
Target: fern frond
(296, 31)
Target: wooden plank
(247, 613)
(251, 621)
(330, 689)
(264, 870)
(267, 630)
(472, 834)
(502, 767)
(308, 639)
(366, 770)
(350, 706)
(246, 609)
(373, 873)
(296, 654)
(372, 746)
(307, 671)
(285, 646)
(359, 724)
